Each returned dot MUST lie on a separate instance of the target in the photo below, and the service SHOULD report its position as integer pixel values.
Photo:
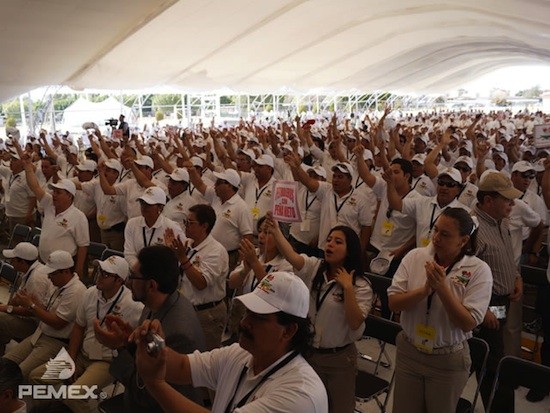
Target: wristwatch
(9, 309)
(32, 306)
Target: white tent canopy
(266, 46)
(82, 110)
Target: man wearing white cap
(16, 321)
(66, 161)
(341, 203)
(19, 200)
(233, 216)
(64, 226)
(257, 187)
(425, 209)
(56, 317)
(108, 296)
(421, 183)
(110, 209)
(148, 228)
(131, 189)
(265, 371)
(180, 200)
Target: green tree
(534, 92)
(166, 103)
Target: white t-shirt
(293, 388)
(16, 193)
(279, 263)
(310, 210)
(132, 191)
(36, 282)
(110, 208)
(177, 208)
(522, 217)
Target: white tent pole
(22, 110)
(31, 114)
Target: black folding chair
(35, 240)
(536, 277)
(379, 285)
(514, 371)
(8, 273)
(19, 234)
(108, 252)
(34, 232)
(112, 405)
(479, 352)
(369, 386)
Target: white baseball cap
(248, 152)
(87, 165)
(264, 160)
(145, 161)
(523, 166)
(24, 250)
(419, 157)
(73, 149)
(317, 169)
(180, 175)
(115, 265)
(58, 260)
(65, 184)
(278, 291)
(229, 175)
(113, 164)
(153, 196)
(452, 173)
(196, 161)
(344, 167)
(465, 159)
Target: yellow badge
(424, 337)
(387, 228)
(425, 242)
(101, 219)
(256, 213)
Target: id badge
(424, 337)
(499, 311)
(305, 225)
(424, 241)
(101, 219)
(255, 213)
(95, 351)
(387, 228)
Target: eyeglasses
(463, 168)
(188, 222)
(133, 276)
(528, 175)
(448, 184)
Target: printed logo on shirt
(338, 297)
(352, 201)
(227, 214)
(63, 223)
(462, 279)
(267, 193)
(197, 261)
(179, 207)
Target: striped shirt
(494, 246)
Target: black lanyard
(339, 207)
(416, 183)
(272, 371)
(308, 205)
(358, 183)
(145, 244)
(320, 300)
(254, 283)
(110, 308)
(431, 296)
(69, 169)
(13, 178)
(54, 297)
(124, 175)
(259, 194)
(432, 219)
(191, 189)
(522, 195)
(150, 315)
(389, 210)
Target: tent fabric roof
(262, 46)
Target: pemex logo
(61, 367)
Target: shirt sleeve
(82, 231)
(478, 292)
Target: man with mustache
(265, 371)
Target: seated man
(109, 296)
(16, 321)
(264, 372)
(153, 280)
(56, 317)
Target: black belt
(500, 299)
(201, 307)
(64, 340)
(331, 350)
(117, 227)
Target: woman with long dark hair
(443, 292)
(340, 299)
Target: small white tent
(82, 110)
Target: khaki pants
(428, 383)
(16, 328)
(87, 372)
(337, 371)
(113, 239)
(30, 356)
(212, 322)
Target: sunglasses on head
(448, 184)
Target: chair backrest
(35, 240)
(108, 252)
(96, 249)
(379, 283)
(479, 353)
(534, 275)
(381, 329)
(19, 234)
(514, 371)
(8, 273)
(34, 232)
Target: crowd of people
(447, 205)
